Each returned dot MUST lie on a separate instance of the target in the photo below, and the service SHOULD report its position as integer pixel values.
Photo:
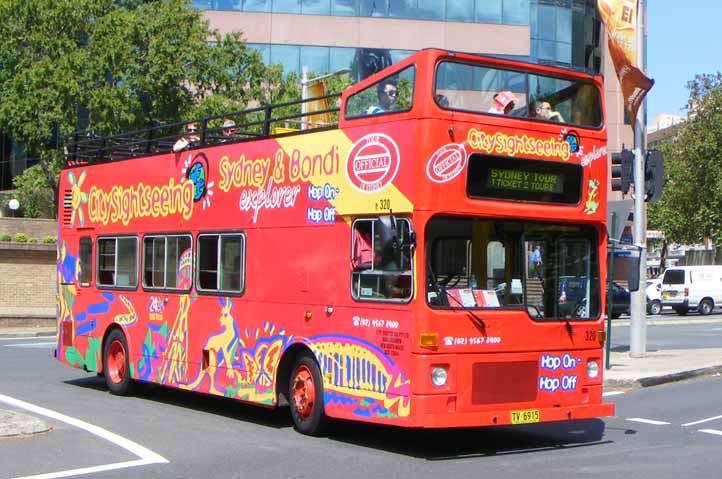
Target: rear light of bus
(592, 369)
(439, 376)
(686, 292)
(429, 340)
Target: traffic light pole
(638, 307)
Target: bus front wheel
(305, 394)
(116, 364)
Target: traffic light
(622, 170)
(653, 175)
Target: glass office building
(564, 32)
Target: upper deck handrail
(250, 124)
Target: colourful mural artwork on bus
(77, 198)
(360, 377)
(592, 204)
(67, 273)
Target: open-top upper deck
(430, 83)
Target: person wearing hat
(189, 140)
(503, 103)
(229, 130)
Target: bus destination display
(520, 180)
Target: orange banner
(620, 19)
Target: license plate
(525, 416)
(669, 294)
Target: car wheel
(654, 308)
(705, 307)
(616, 315)
(305, 393)
(116, 364)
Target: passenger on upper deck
(190, 139)
(543, 109)
(503, 103)
(387, 93)
(229, 130)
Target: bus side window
(377, 274)
(86, 261)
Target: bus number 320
(383, 204)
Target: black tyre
(116, 364)
(654, 308)
(305, 397)
(616, 315)
(705, 307)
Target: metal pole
(610, 278)
(638, 308)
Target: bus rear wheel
(116, 364)
(305, 394)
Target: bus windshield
(551, 270)
(496, 91)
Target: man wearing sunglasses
(190, 139)
(387, 92)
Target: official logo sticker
(446, 163)
(372, 163)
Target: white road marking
(647, 421)
(702, 420)
(612, 393)
(30, 345)
(712, 431)
(146, 455)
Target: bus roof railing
(251, 124)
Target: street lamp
(13, 205)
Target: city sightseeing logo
(372, 163)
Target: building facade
(325, 35)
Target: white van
(686, 288)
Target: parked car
(572, 301)
(621, 301)
(654, 296)
(686, 288)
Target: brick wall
(33, 227)
(27, 283)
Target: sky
(684, 39)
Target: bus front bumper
(500, 417)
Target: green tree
(118, 65)
(691, 205)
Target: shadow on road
(449, 444)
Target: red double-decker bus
(427, 251)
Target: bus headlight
(438, 376)
(592, 369)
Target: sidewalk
(27, 332)
(658, 367)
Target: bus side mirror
(388, 233)
(633, 274)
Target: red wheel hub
(116, 362)
(304, 392)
